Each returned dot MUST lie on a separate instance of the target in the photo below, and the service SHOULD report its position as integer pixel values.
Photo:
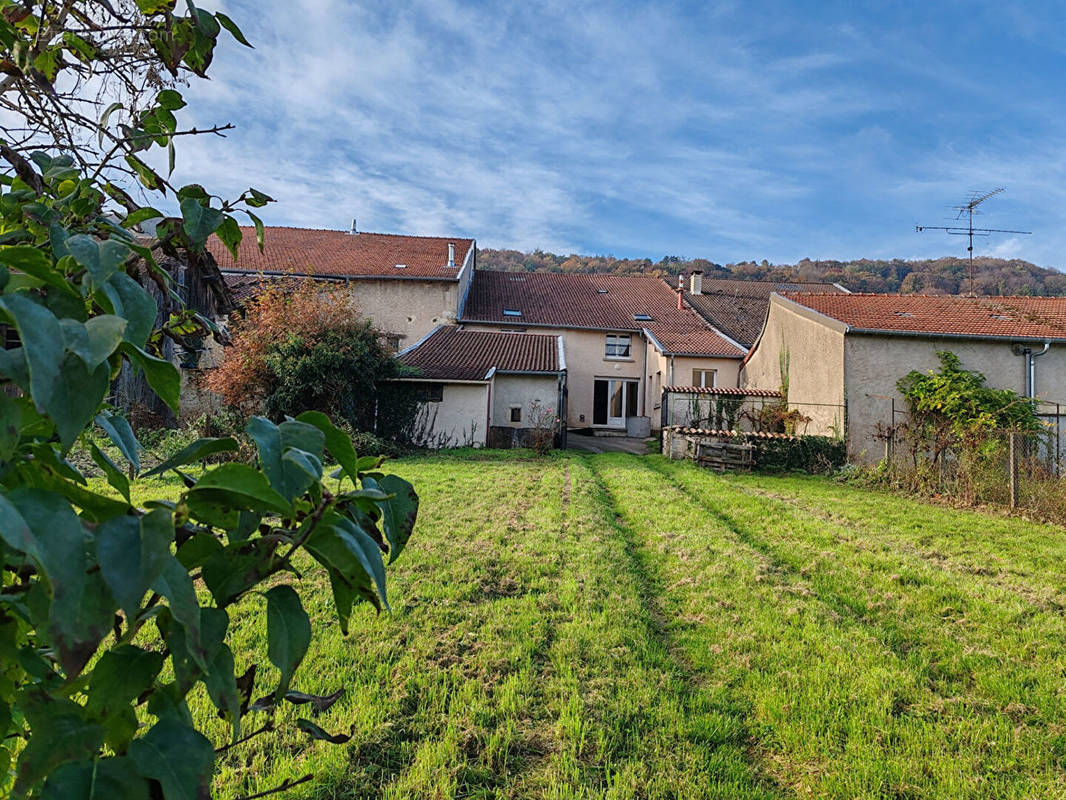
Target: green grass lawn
(622, 627)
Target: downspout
(1032, 368)
(644, 382)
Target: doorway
(614, 401)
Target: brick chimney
(695, 282)
(680, 289)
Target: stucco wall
(407, 308)
(459, 420)
(873, 364)
(815, 353)
(521, 390)
(661, 373)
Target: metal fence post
(1013, 469)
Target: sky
(728, 131)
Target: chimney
(696, 282)
(451, 254)
(353, 230)
(680, 289)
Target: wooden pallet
(722, 456)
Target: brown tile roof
(723, 390)
(456, 354)
(738, 308)
(597, 302)
(984, 317)
(319, 252)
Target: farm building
(486, 387)
(842, 354)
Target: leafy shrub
(819, 455)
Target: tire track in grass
(988, 649)
(1001, 570)
(712, 738)
(897, 718)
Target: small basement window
(516, 413)
(512, 312)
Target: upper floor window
(705, 377)
(618, 345)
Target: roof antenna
(969, 209)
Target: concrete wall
(459, 420)
(521, 390)
(814, 346)
(873, 364)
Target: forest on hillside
(993, 276)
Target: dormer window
(512, 312)
(643, 317)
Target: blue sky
(729, 131)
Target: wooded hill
(993, 276)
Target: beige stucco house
(406, 285)
(486, 387)
(844, 353)
(626, 338)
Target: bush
(819, 455)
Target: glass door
(614, 401)
(616, 416)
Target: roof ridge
(360, 233)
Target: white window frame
(615, 342)
(703, 378)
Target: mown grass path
(619, 627)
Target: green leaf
(231, 26)
(338, 442)
(229, 233)
(131, 302)
(141, 215)
(76, 397)
(280, 448)
(399, 513)
(120, 676)
(42, 341)
(144, 173)
(242, 486)
(176, 586)
(114, 475)
(170, 100)
(196, 451)
(102, 125)
(31, 261)
(58, 734)
(259, 229)
(197, 549)
(10, 426)
(155, 6)
(177, 756)
(162, 376)
(200, 221)
(219, 680)
(132, 553)
(316, 732)
(80, 613)
(121, 434)
(93, 341)
(238, 567)
(343, 546)
(96, 780)
(288, 633)
(83, 50)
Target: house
(487, 387)
(842, 354)
(626, 337)
(407, 285)
(738, 308)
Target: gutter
(419, 343)
(968, 336)
(277, 273)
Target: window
(392, 341)
(617, 345)
(643, 317)
(512, 312)
(704, 377)
(516, 413)
(429, 392)
(512, 330)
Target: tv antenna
(969, 209)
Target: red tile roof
(597, 302)
(985, 317)
(456, 354)
(738, 308)
(732, 391)
(319, 252)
